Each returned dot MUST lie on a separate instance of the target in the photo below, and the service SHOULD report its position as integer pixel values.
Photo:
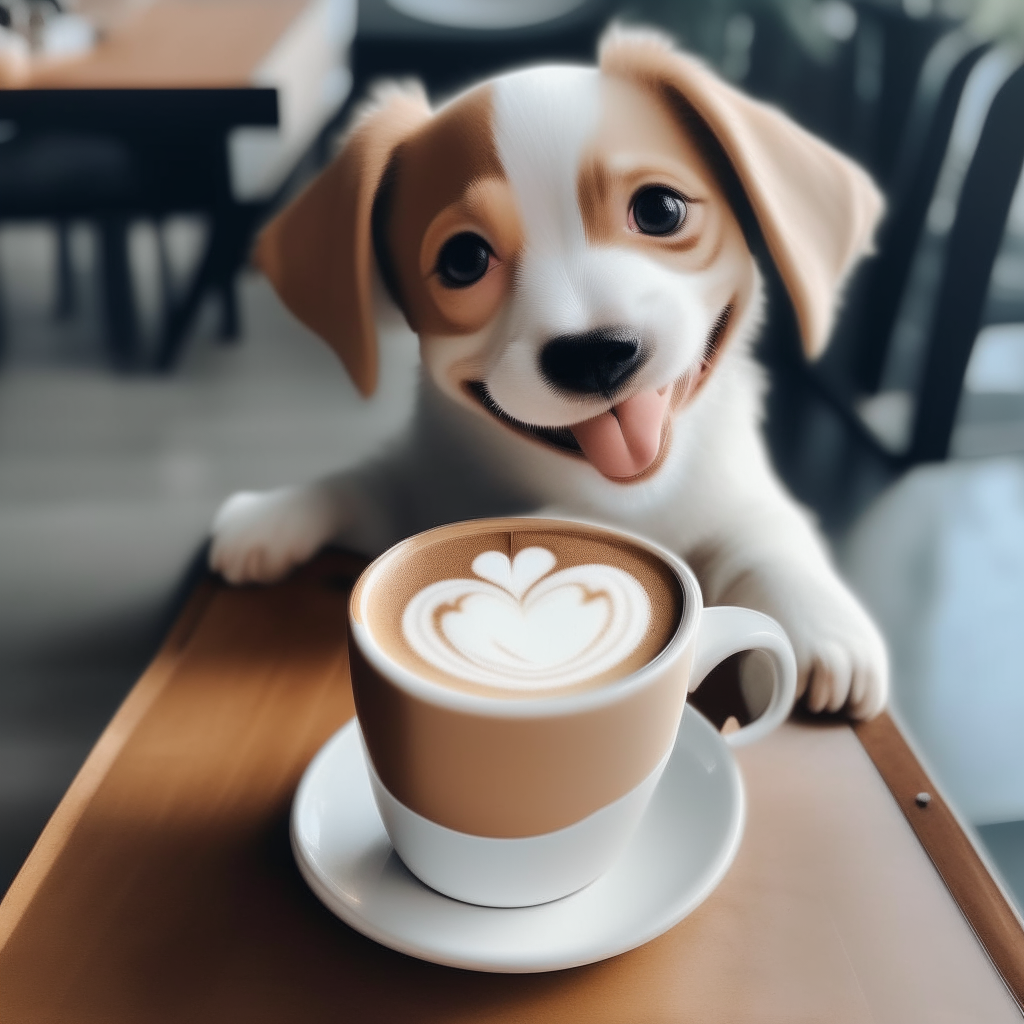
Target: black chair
(111, 156)
(859, 91)
(952, 306)
(830, 455)
(827, 453)
(910, 188)
(60, 176)
(971, 250)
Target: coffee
(493, 797)
(523, 609)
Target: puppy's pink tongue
(625, 441)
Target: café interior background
(116, 447)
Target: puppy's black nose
(595, 363)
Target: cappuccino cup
(519, 684)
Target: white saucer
(681, 850)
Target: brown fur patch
(443, 180)
(641, 143)
(317, 251)
(815, 209)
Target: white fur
(715, 499)
(543, 119)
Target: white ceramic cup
(514, 802)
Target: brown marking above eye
(593, 189)
(445, 179)
(487, 211)
(607, 196)
(641, 145)
(486, 208)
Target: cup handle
(729, 630)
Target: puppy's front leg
(772, 559)
(259, 537)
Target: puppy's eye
(658, 211)
(463, 260)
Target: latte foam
(523, 624)
(526, 612)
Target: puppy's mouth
(629, 441)
(561, 438)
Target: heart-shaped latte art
(523, 627)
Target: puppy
(567, 244)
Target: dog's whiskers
(715, 336)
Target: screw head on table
(923, 799)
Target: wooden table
(171, 81)
(174, 44)
(163, 888)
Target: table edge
(219, 106)
(100, 759)
(979, 896)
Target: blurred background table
(182, 106)
(163, 888)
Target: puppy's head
(563, 242)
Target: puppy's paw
(260, 537)
(841, 657)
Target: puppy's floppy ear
(318, 252)
(816, 209)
